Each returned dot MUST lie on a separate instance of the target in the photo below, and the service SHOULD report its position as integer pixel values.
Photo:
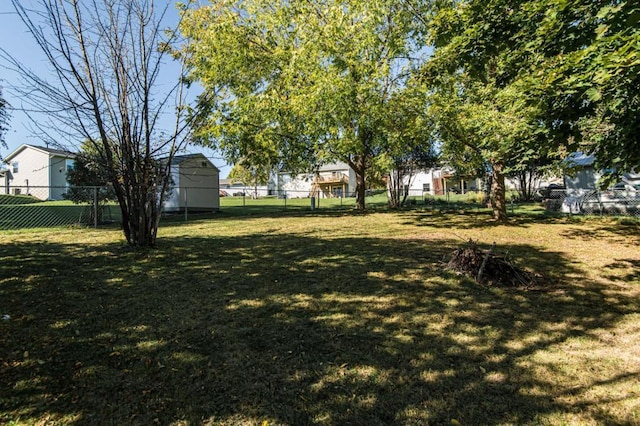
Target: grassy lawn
(328, 318)
(248, 205)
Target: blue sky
(15, 39)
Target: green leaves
(308, 81)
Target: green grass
(17, 199)
(326, 318)
(247, 205)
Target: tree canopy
(298, 83)
(576, 61)
(517, 83)
(506, 85)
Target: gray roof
(53, 151)
(580, 159)
(177, 159)
(50, 151)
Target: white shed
(195, 184)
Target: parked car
(224, 193)
(238, 194)
(552, 191)
(622, 190)
(621, 186)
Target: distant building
(195, 184)
(333, 180)
(584, 175)
(37, 171)
(439, 181)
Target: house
(230, 187)
(440, 181)
(5, 178)
(584, 176)
(37, 171)
(195, 184)
(329, 181)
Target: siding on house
(5, 176)
(38, 171)
(584, 176)
(438, 181)
(331, 180)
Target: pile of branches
(488, 268)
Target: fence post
(285, 200)
(95, 207)
(186, 204)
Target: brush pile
(488, 268)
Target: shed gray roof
(580, 159)
(177, 159)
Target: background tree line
(496, 88)
(502, 88)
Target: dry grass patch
(320, 319)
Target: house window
(426, 187)
(70, 164)
(203, 164)
(15, 167)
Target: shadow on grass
(469, 219)
(287, 329)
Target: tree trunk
(498, 201)
(361, 190)
(393, 185)
(357, 163)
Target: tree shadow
(289, 329)
(479, 219)
(607, 230)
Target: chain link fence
(25, 207)
(46, 207)
(247, 202)
(56, 206)
(594, 202)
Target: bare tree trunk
(106, 59)
(393, 185)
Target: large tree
(410, 147)
(300, 82)
(576, 63)
(590, 59)
(106, 83)
(487, 117)
(485, 127)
